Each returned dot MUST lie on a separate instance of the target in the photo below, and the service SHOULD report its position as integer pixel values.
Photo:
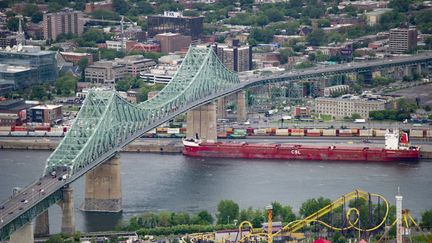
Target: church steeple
(20, 36)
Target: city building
(172, 42)
(175, 22)
(403, 40)
(336, 90)
(161, 74)
(105, 72)
(136, 64)
(302, 112)
(347, 105)
(76, 57)
(24, 66)
(236, 58)
(46, 114)
(7, 38)
(94, 6)
(63, 22)
(373, 17)
(13, 112)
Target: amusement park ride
(351, 223)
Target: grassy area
(326, 118)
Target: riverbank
(156, 146)
(150, 146)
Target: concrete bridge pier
(201, 121)
(221, 108)
(68, 217)
(42, 225)
(103, 188)
(23, 235)
(241, 106)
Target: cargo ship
(397, 148)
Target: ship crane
(122, 22)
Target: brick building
(172, 42)
(63, 22)
(48, 114)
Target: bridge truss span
(106, 121)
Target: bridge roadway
(10, 208)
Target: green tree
(37, 17)
(202, 218)
(400, 5)
(55, 239)
(29, 9)
(82, 64)
(38, 93)
(426, 219)
(66, 85)
(317, 38)
(120, 6)
(228, 210)
(12, 24)
(355, 116)
(284, 54)
(312, 205)
(105, 14)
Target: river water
(156, 182)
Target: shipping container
(366, 133)
(183, 130)
(414, 133)
(161, 130)
(18, 128)
(345, 133)
(297, 132)
(379, 133)
(329, 132)
(355, 132)
(250, 131)
(271, 131)
(19, 133)
(282, 132)
(222, 135)
(260, 131)
(5, 129)
(429, 133)
(313, 132)
(173, 130)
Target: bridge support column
(241, 106)
(23, 235)
(407, 70)
(103, 188)
(202, 121)
(68, 217)
(221, 109)
(42, 225)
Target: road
(29, 196)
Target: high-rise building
(175, 22)
(236, 58)
(24, 66)
(64, 22)
(403, 40)
(172, 42)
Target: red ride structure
(395, 150)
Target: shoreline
(158, 146)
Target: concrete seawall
(138, 146)
(156, 146)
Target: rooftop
(46, 107)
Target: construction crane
(122, 23)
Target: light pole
(228, 219)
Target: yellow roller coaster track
(296, 225)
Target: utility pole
(270, 224)
(398, 217)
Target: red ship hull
(298, 152)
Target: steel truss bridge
(106, 123)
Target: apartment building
(63, 22)
(403, 40)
